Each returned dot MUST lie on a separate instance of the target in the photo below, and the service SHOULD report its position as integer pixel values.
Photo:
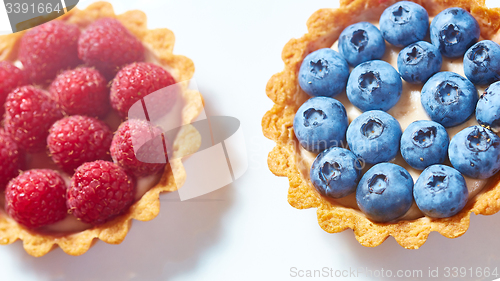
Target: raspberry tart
(67, 178)
(384, 199)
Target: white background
(247, 230)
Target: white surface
(247, 230)
(206, 171)
(5, 27)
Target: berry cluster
(386, 191)
(59, 101)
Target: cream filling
(407, 110)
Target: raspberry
(29, 114)
(77, 139)
(137, 80)
(11, 77)
(108, 45)
(36, 198)
(11, 159)
(149, 143)
(99, 191)
(81, 91)
(48, 48)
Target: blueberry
(385, 192)
(320, 123)
(323, 73)
(453, 31)
(417, 62)
(488, 108)
(335, 172)
(424, 143)
(440, 191)
(475, 152)
(374, 85)
(482, 63)
(361, 42)
(449, 98)
(374, 136)
(404, 23)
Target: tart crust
(161, 43)
(324, 28)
